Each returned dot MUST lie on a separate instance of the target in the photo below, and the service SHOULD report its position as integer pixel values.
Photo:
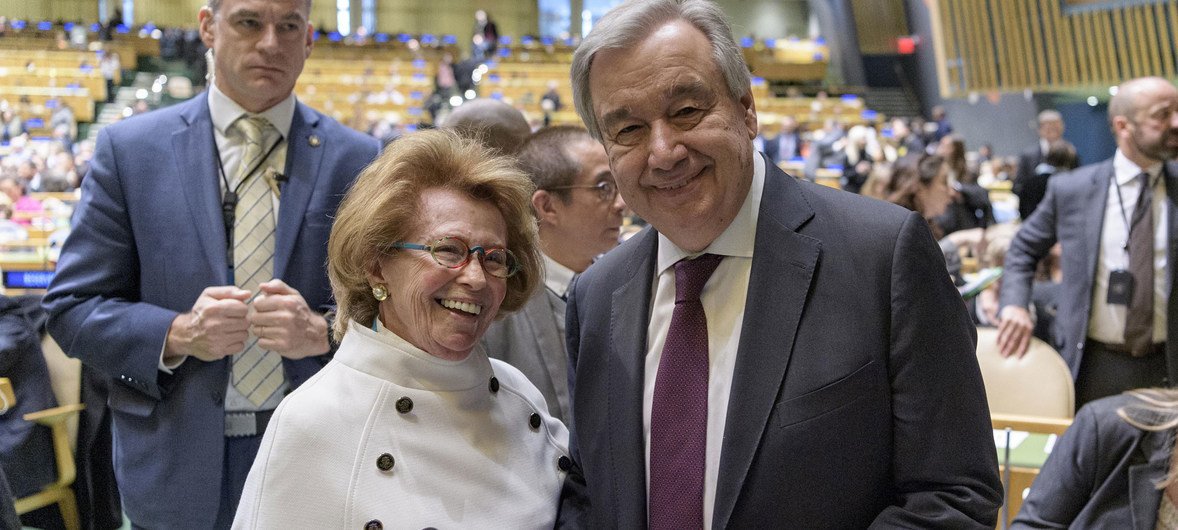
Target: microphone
(280, 178)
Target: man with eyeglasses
(580, 214)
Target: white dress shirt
(1106, 322)
(231, 142)
(723, 300)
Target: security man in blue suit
(150, 287)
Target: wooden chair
(65, 377)
(59, 492)
(1039, 384)
(1034, 394)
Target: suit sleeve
(938, 400)
(1064, 484)
(1032, 242)
(95, 313)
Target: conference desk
(1031, 440)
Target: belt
(1157, 348)
(247, 423)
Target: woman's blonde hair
(383, 205)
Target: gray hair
(633, 21)
(496, 124)
(214, 5)
(1050, 115)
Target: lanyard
(1149, 184)
(229, 198)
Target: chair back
(1037, 384)
(65, 376)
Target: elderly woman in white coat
(411, 425)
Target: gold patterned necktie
(257, 373)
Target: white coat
(388, 433)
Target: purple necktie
(679, 412)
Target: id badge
(1120, 287)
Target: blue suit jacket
(1072, 213)
(856, 397)
(147, 238)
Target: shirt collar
(1124, 170)
(557, 276)
(736, 240)
(225, 111)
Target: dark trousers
(239, 457)
(99, 505)
(1106, 372)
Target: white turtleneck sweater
(464, 456)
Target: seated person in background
(787, 145)
(11, 125)
(920, 183)
(1113, 468)
(971, 206)
(21, 201)
(860, 151)
(26, 448)
(10, 230)
(411, 425)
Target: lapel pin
(313, 140)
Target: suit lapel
(540, 313)
(1144, 496)
(197, 175)
(304, 151)
(782, 272)
(627, 328)
(1097, 200)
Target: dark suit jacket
(531, 339)
(856, 397)
(1029, 186)
(147, 238)
(26, 448)
(1101, 474)
(1072, 213)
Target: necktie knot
(1144, 200)
(692, 274)
(251, 127)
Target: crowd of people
(309, 326)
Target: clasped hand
(223, 317)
